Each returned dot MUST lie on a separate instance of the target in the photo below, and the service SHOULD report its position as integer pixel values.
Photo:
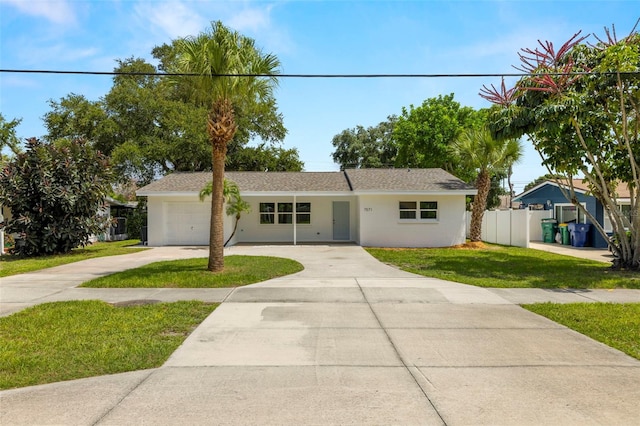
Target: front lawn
(71, 340)
(12, 265)
(505, 267)
(193, 273)
(615, 325)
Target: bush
(55, 192)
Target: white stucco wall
(250, 230)
(380, 225)
(158, 221)
(374, 221)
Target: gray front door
(341, 228)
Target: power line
(443, 75)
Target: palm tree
(235, 204)
(232, 76)
(480, 151)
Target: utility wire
(163, 74)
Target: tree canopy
(541, 179)
(424, 134)
(150, 127)
(579, 105)
(371, 147)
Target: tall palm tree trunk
(221, 127)
(216, 234)
(483, 183)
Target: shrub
(54, 191)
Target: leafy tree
(371, 147)
(8, 136)
(537, 181)
(149, 127)
(263, 157)
(228, 66)
(424, 134)
(55, 192)
(583, 123)
(76, 117)
(235, 204)
(488, 155)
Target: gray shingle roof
(254, 182)
(405, 180)
(367, 180)
(178, 182)
(289, 181)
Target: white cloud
(179, 18)
(250, 19)
(18, 81)
(173, 18)
(56, 11)
(44, 55)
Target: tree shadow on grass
(506, 269)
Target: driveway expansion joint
(126, 394)
(402, 358)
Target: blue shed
(548, 196)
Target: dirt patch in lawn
(472, 245)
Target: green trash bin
(549, 228)
(564, 234)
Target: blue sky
(309, 37)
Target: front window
(267, 213)
(285, 212)
(418, 210)
(428, 209)
(408, 209)
(303, 213)
(282, 213)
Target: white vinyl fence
(512, 227)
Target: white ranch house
(369, 207)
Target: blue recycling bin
(580, 234)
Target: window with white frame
(626, 211)
(282, 213)
(303, 213)
(569, 213)
(267, 213)
(418, 210)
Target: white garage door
(187, 223)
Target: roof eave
(535, 188)
(414, 192)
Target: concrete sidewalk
(352, 341)
(601, 255)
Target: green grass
(193, 273)
(507, 267)
(615, 325)
(70, 340)
(12, 265)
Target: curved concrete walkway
(347, 341)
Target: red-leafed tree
(580, 107)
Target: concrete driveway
(352, 341)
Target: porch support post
(295, 224)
